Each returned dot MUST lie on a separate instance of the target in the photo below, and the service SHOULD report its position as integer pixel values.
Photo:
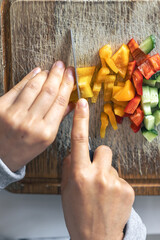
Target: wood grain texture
(39, 36)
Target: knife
(91, 153)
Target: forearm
(7, 176)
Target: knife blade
(91, 153)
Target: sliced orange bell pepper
(111, 64)
(119, 103)
(103, 62)
(126, 93)
(85, 71)
(104, 124)
(116, 89)
(110, 113)
(121, 60)
(118, 110)
(120, 84)
(102, 74)
(108, 86)
(110, 78)
(96, 89)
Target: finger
(79, 138)
(49, 91)
(103, 158)
(57, 110)
(65, 170)
(10, 96)
(69, 109)
(114, 172)
(30, 92)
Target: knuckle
(101, 182)
(79, 137)
(32, 85)
(104, 149)
(61, 101)
(46, 136)
(49, 90)
(128, 193)
(79, 179)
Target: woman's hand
(31, 112)
(96, 201)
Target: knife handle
(91, 154)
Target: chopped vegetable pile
(131, 88)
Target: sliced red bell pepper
(137, 117)
(139, 56)
(119, 119)
(132, 105)
(146, 69)
(138, 81)
(130, 69)
(127, 115)
(133, 45)
(135, 128)
(155, 62)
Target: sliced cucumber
(156, 114)
(148, 44)
(146, 95)
(155, 76)
(154, 97)
(149, 135)
(159, 98)
(146, 107)
(151, 83)
(149, 122)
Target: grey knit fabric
(7, 176)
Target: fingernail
(82, 103)
(36, 71)
(70, 73)
(59, 64)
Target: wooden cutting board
(36, 33)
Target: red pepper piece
(146, 69)
(132, 105)
(130, 69)
(139, 56)
(138, 81)
(135, 128)
(137, 117)
(119, 119)
(127, 115)
(133, 45)
(155, 62)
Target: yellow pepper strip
(105, 51)
(110, 113)
(103, 62)
(111, 64)
(120, 84)
(110, 78)
(108, 86)
(126, 93)
(74, 96)
(121, 60)
(107, 96)
(104, 124)
(96, 89)
(118, 110)
(102, 74)
(116, 89)
(122, 104)
(85, 71)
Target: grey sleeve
(135, 229)
(7, 176)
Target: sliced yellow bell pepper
(111, 64)
(105, 51)
(108, 86)
(85, 71)
(102, 74)
(104, 124)
(96, 89)
(116, 89)
(110, 113)
(110, 78)
(120, 84)
(122, 104)
(107, 96)
(126, 93)
(118, 110)
(103, 62)
(121, 60)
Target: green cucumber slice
(149, 135)
(159, 98)
(146, 95)
(148, 44)
(151, 83)
(146, 107)
(149, 122)
(154, 97)
(156, 114)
